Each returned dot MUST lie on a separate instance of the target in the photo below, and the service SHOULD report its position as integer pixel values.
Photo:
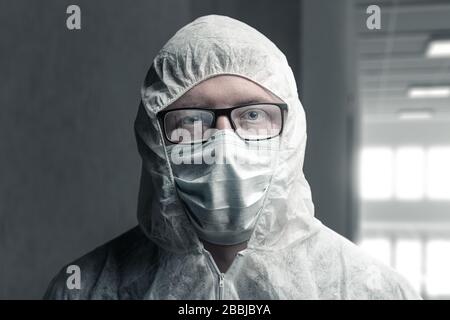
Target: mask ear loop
(199, 244)
(266, 196)
(161, 136)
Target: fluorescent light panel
(438, 49)
(429, 92)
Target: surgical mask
(223, 184)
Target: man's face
(222, 92)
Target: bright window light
(379, 248)
(438, 266)
(429, 92)
(408, 260)
(409, 173)
(438, 173)
(438, 48)
(376, 173)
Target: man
(225, 211)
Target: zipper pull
(221, 280)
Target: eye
(253, 115)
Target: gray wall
(69, 165)
(328, 92)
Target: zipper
(221, 285)
(221, 275)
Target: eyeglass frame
(227, 112)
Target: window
(379, 248)
(408, 261)
(417, 250)
(438, 179)
(376, 173)
(425, 264)
(406, 173)
(437, 267)
(409, 173)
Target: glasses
(257, 121)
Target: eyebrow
(238, 103)
(249, 101)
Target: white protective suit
(290, 254)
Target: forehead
(222, 91)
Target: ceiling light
(429, 92)
(438, 48)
